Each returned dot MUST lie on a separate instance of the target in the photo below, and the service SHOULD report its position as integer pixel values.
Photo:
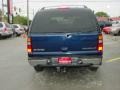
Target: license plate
(64, 60)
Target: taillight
(5, 29)
(100, 43)
(29, 45)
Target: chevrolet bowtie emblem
(64, 48)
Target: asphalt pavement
(17, 74)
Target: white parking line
(112, 60)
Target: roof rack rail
(73, 6)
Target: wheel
(0, 36)
(92, 68)
(10, 35)
(14, 35)
(115, 34)
(38, 68)
(119, 33)
(18, 35)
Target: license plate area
(64, 60)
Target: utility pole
(10, 11)
(33, 12)
(28, 13)
(2, 17)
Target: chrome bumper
(75, 62)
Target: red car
(106, 30)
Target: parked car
(106, 30)
(13, 29)
(18, 29)
(103, 24)
(115, 29)
(115, 22)
(25, 28)
(5, 30)
(63, 38)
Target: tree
(20, 20)
(0, 14)
(102, 14)
(2, 18)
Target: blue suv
(64, 37)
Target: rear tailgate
(64, 43)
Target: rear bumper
(114, 32)
(4, 34)
(76, 62)
(19, 32)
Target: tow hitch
(61, 69)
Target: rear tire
(119, 33)
(0, 36)
(115, 34)
(10, 36)
(18, 35)
(38, 68)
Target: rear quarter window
(1, 25)
(15, 26)
(73, 20)
(7, 25)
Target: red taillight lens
(100, 43)
(29, 46)
(5, 29)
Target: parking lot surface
(17, 74)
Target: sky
(112, 7)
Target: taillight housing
(5, 29)
(100, 43)
(29, 45)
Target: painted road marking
(114, 59)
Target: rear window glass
(15, 26)
(7, 25)
(1, 25)
(64, 21)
